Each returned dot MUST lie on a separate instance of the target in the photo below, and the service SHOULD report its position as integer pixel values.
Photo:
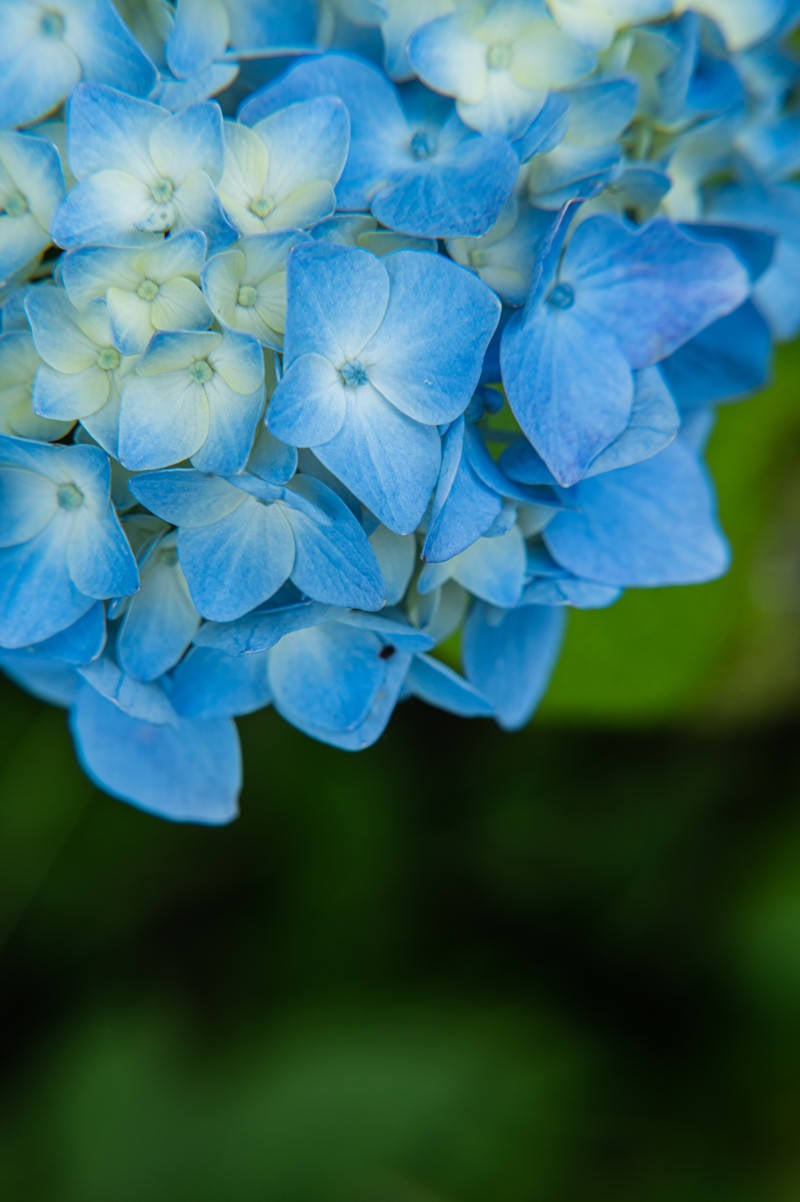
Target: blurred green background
(557, 965)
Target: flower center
(69, 496)
(562, 296)
(161, 191)
(261, 206)
(478, 258)
(423, 144)
(14, 205)
(168, 556)
(498, 56)
(201, 371)
(147, 290)
(353, 373)
(51, 24)
(107, 359)
(247, 296)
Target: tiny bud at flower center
(562, 296)
(498, 56)
(107, 358)
(201, 371)
(161, 191)
(51, 24)
(147, 290)
(69, 496)
(353, 373)
(261, 206)
(247, 296)
(423, 144)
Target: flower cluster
(335, 330)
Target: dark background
(561, 964)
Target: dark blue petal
(731, 358)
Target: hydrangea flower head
(338, 333)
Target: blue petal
(110, 207)
(37, 596)
(545, 131)
(80, 643)
(272, 460)
(184, 497)
(394, 630)
(238, 562)
(429, 368)
(233, 424)
(199, 34)
(459, 192)
(568, 384)
(401, 19)
(370, 729)
(378, 126)
(435, 683)
(188, 141)
(778, 291)
(138, 699)
(107, 50)
(336, 683)
(36, 74)
(753, 248)
(601, 110)
(107, 130)
(309, 405)
(175, 94)
(493, 568)
(99, 556)
(306, 141)
(326, 677)
(387, 460)
(336, 299)
(397, 556)
(163, 420)
(27, 503)
(654, 422)
(210, 684)
(187, 772)
(509, 655)
(464, 507)
(160, 620)
(49, 680)
(262, 629)
(647, 525)
(729, 359)
(569, 590)
(334, 562)
(272, 26)
(34, 167)
(654, 288)
(58, 336)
